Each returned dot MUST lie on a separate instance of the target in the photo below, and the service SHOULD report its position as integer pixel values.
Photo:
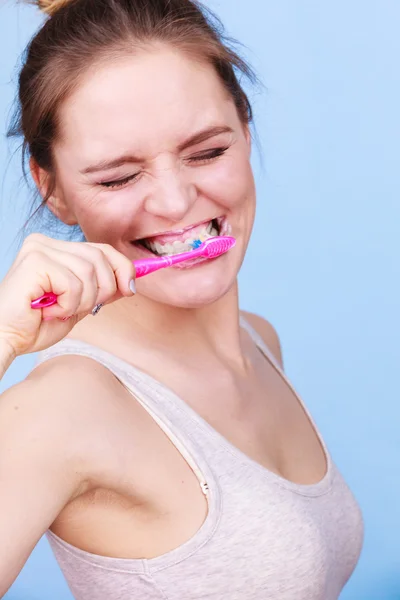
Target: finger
(122, 266)
(107, 285)
(111, 265)
(40, 274)
(85, 271)
(55, 329)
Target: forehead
(146, 99)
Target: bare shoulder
(268, 333)
(63, 386)
(52, 409)
(46, 451)
(69, 377)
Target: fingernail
(132, 286)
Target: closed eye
(208, 155)
(204, 158)
(118, 182)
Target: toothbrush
(211, 248)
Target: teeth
(223, 226)
(159, 248)
(150, 246)
(177, 246)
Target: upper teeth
(177, 246)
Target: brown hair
(82, 32)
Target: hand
(81, 274)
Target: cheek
(106, 217)
(231, 184)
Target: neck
(210, 329)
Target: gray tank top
(264, 538)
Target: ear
(55, 202)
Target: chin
(195, 287)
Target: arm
(7, 356)
(268, 334)
(38, 475)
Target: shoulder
(46, 451)
(68, 384)
(268, 333)
(69, 373)
(51, 412)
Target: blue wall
(327, 231)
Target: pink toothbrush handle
(44, 301)
(146, 266)
(142, 267)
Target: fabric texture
(264, 538)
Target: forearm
(7, 356)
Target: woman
(159, 444)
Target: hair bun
(50, 7)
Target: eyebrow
(204, 135)
(197, 138)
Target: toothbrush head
(196, 244)
(216, 246)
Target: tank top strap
(147, 390)
(70, 346)
(259, 342)
(159, 401)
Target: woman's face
(151, 156)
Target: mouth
(175, 242)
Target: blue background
(323, 263)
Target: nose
(171, 196)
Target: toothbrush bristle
(218, 245)
(196, 243)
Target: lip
(141, 250)
(178, 231)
